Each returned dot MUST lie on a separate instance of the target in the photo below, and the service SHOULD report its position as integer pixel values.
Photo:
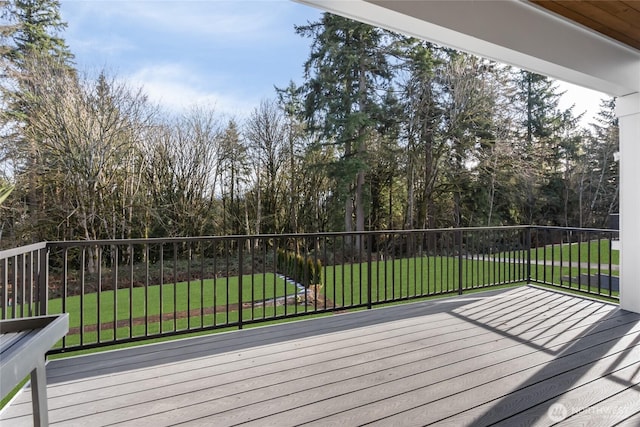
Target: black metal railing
(23, 281)
(127, 290)
(577, 259)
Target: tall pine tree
(545, 134)
(36, 26)
(33, 52)
(600, 192)
(347, 74)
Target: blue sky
(228, 54)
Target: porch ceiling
(619, 20)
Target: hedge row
(303, 270)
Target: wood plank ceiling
(617, 19)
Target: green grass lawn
(182, 296)
(596, 251)
(574, 278)
(127, 307)
(344, 286)
(412, 277)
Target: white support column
(628, 112)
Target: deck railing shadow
(505, 319)
(585, 336)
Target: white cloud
(206, 19)
(225, 53)
(105, 46)
(176, 88)
(241, 19)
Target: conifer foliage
(384, 132)
(303, 270)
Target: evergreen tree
(599, 189)
(386, 159)
(31, 43)
(547, 135)
(36, 28)
(422, 115)
(291, 103)
(347, 74)
(235, 169)
(468, 103)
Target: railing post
(460, 259)
(43, 281)
(369, 244)
(240, 274)
(528, 248)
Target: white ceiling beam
(511, 32)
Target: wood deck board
(429, 395)
(631, 421)
(473, 360)
(534, 392)
(589, 402)
(132, 382)
(424, 377)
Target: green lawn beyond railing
(589, 265)
(143, 311)
(164, 308)
(594, 252)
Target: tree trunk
(359, 209)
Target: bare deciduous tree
(266, 135)
(183, 164)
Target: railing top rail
(21, 250)
(590, 230)
(70, 243)
(75, 243)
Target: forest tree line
(385, 132)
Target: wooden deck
(523, 356)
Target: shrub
(303, 270)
